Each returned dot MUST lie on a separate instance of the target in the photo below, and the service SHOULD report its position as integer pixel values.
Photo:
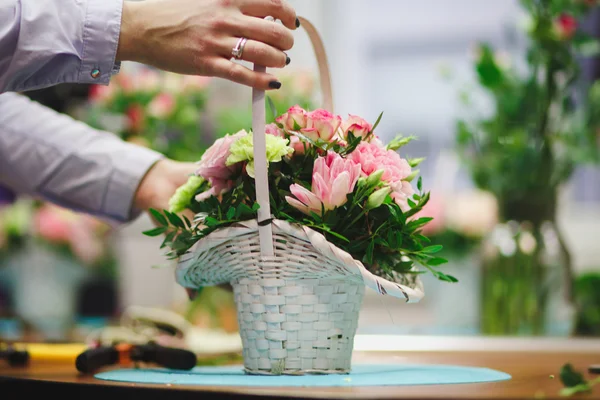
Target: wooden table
(530, 373)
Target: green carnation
(184, 194)
(243, 150)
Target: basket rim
(187, 262)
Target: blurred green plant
(543, 122)
(156, 109)
(587, 295)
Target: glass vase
(526, 281)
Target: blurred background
(520, 227)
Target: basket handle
(258, 128)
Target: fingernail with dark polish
(287, 60)
(297, 23)
(274, 84)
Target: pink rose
(321, 124)
(372, 158)
(333, 179)
(274, 130)
(162, 106)
(212, 165)
(294, 118)
(357, 125)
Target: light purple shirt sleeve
(47, 42)
(54, 157)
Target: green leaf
(168, 239)
(230, 213)
(272, 107)
(156, 231)
(159, 217)
(368, 259)
(420, 184)
(571, 377)
(337, 235)
(432, 249)
(377, 122)
(446, 278)
(437, 261)
(174, 219)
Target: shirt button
(95, 73)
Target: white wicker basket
(298, 296)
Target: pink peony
(357, 125)
(401, 192)
(294, 117)
(333, 179)
(372, 158)
(321, 124)
(212, 166)
(162, 106)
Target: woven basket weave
(298, 296)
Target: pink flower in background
(146, 80)
(213, 164)
(357, 125)
(372, 158)
(101, 94)
(333, 179)
(321, 124)
(162, 105)
(84, 244)
(135, 118)
(51, 223)
(195, 82)
(293, 118)
(434, 209)
(565, 26)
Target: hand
(196, 37)
(160, 183)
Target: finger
(278, 9)
(258, 53)
(268, 32)
(227, 69)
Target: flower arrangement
(330, 174)
(78, 236)
(153, 108)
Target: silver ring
(238, 50)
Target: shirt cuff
(101, 34)
(124, 182)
